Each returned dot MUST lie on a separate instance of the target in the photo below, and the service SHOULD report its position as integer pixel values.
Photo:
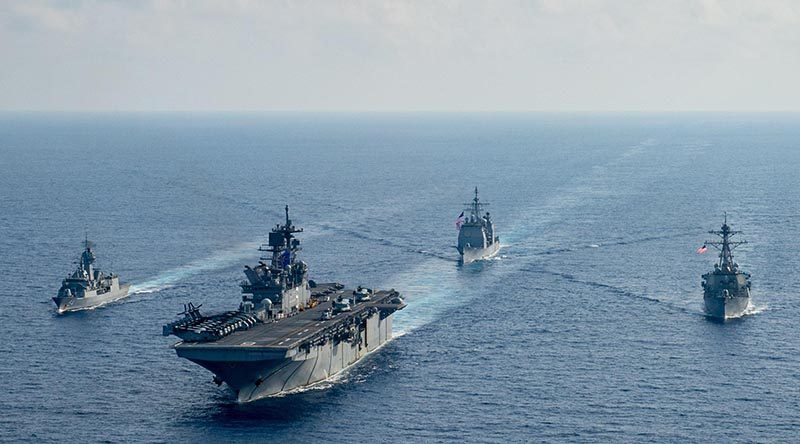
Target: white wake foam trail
(171, 277)
(434, 287)
(753, 309)
(430, 288)
(598, 181)
(222, 259)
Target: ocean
(587, 327)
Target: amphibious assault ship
(476, 235)
(726, 290)
(87, 287)
(289, 332)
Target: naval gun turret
(476, 232)
(726, 290)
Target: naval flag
(460, 221)
(702, 249)
(286, 258)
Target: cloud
(38, 16)
(404, 54)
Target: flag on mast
(286, 258)
(460, 221)
(702, 249)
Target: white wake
(219, 260)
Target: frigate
(289, 332)
(87, 287)
(476, 232)
(726, 290)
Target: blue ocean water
(588, 327)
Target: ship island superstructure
(726, 289)
(289, 332)
(87, 287)
(476, 232)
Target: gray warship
(87, 287)
(288, 332)
(476, 233)
(726, 290)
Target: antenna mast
(476, 206)
(726, 246)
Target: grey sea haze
(588, 327)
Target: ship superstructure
(87, 287)
(279, 287)
(726, 289)
(476, 232)
(289, 332)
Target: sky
(400, 55)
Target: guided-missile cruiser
(476, 233)
(87, 287)
(288, 332)
(726, 290)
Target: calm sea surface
(588, 327)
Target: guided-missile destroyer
(87, 287)
(726, 290)
(289, 332)
(476, 234)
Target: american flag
(460, 221)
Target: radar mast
(282, 243)
(476, 206)
(725, 246)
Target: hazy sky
(400, 55)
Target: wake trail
(582, 190)
(382, 241)
(311, 226)
(434, 287)
(754, 309)
(612, 289)
(430, 288)
(751, 310)
(217, 261)
(615, 243)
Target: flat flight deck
(292, 331)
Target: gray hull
(67, 304)
(470, 254)
(730, 307)
(258, 373)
